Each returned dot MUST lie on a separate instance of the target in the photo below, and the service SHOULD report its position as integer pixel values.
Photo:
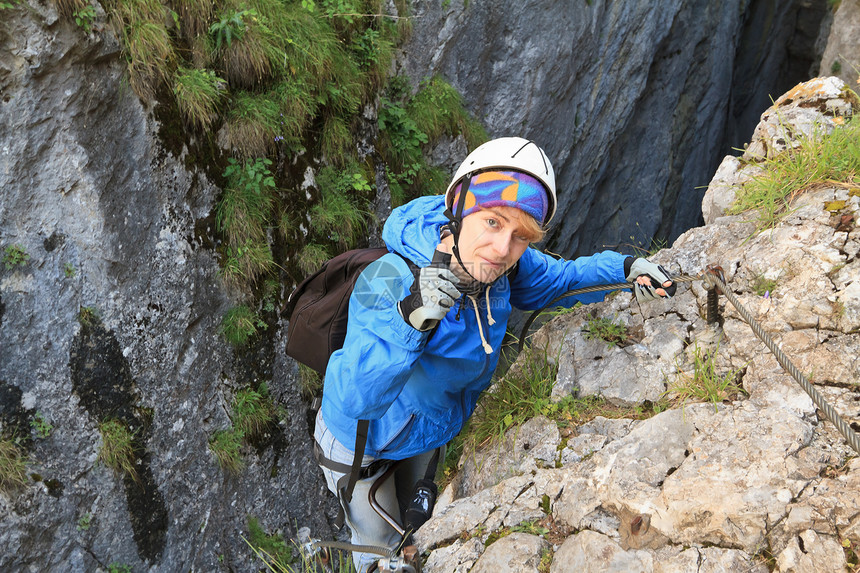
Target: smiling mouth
(492, 263)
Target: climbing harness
(419, 510)
(715, 283)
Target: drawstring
(490, 320)
(487, 348)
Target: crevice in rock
(101, 377)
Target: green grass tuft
(14, 256)
(438, 109)
(522, 394)
(312, 257)
(117, 451)
(198, 95)
(194, 17)
(240, 324)
(252, 125)
(68, 8)
(273, 545)
(253, 413)
(310, 382)
(226, 445)
(605, 329)
(705, 383)
(831, 159)
(337, 217)
(147, 45)
(243, 215)
(13, 466)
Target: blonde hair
(533, 230)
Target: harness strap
(351, 472)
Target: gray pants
(366, 526)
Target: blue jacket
(418, 389)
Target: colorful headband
(504, 189)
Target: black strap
(361, 431)
(455, 219)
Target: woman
(413, 364)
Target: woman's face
(491, 241)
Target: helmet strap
(455, 221)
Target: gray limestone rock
(627, 97)
(840, 56)
(516, 553)
(118, 226)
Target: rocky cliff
(116, 314)
(115, 310)
(636, 102)
(757, 481)
(840, 57)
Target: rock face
(115, 225)
(841, 58)
(117, 311)
(635, 102)
(699, 486)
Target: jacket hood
(413, 229)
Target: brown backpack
(319, 307)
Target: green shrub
(240, 324)
(15, 255)
(42, 427)
(117, 451)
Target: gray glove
(658, 276)
(431, 295)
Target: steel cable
(829, 413)
(344, 546)
(709, 277)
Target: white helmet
(513, 153)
